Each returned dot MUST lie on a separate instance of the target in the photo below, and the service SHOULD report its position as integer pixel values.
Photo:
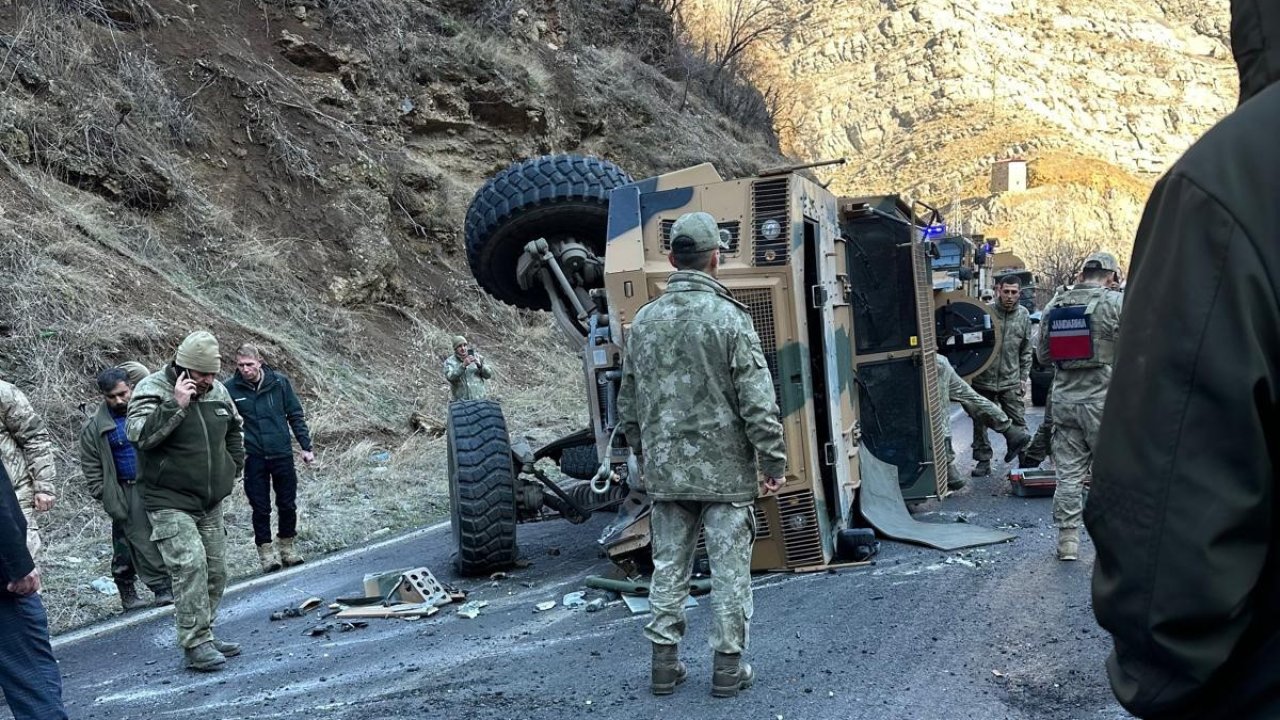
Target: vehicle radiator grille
(735, 232)
(770, 201)
(759, 302)
(801, 536)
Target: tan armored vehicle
(840, 291)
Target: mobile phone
(471, 351)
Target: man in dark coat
(1184, 509)
(29, 673)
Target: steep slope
(295, 174)
(923, 95)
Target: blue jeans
(28, 672)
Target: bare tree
(1058, 258)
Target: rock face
(923, 96)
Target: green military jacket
(1012, 363)
(953, 387)
(697, 400)
(25, 447)
(99, 466)
(188, 458)
(1085, 381)
(467, 382)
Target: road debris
(595, 605)
(471, 610)
(575, 599)
(544, 606)
(104, 585)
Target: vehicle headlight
(770, 229)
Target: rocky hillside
(923, 95)
(295, 173)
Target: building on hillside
(1009, 175)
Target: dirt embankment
(295, 174)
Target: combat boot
(164, 596)
(205, 657)
(668, 671)
(288, 555)
(267, 556)
(982, 469)
(228, 649)
(955, 480)
(730, 674)
(1016, 439)
(1068, 543)
(129, 599)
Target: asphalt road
(997, 632)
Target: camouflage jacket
(1012, 363)
(25, 447)
(188, 458)
(467, 382)
(952, 387)
(697, 399)
(1085, 384)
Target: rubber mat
(882, 505)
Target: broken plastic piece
(310, 604)
(575, 599)
(471, 610)
(544, 606)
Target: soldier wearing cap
(467, 372)
(698, 409)
(1078, 336)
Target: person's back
(1184, 509)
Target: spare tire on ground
(552, 197)
(482, 487)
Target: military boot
(955, 480)
(129, 599)
(1016, 439)
(982, 469)
(668, 671)
(267, 556)
(205, 657)
(228, 649)
(1068, 543)
(164, 595)
(288, 555)
(730, 674)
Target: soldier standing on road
(270, 410)
(110, 466)
(29, 675)
(466, 372)
(697, 406)
(190, 452)
(952, 387)
(1079, 335)
(1006, 379)
(27, 453)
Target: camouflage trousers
(1075, 433)
(134, 554)
(1039, 448)
(194, 548)
(1010, 401)
(730, 530)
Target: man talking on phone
(466, 371)
(190, 451)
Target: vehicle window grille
(801, 536)
(759, 302)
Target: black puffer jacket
(1185, 510)
(269, 411)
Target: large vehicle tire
(482, 487)
(552, 197)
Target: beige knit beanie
(199, 352)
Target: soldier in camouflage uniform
(190, 451)
(1080, 384)
(27, 453)
(1005, 380)
(697, 407)
(466, 372)
(953, 387)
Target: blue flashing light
(935, 230)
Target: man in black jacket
(1184, 510)
(29, 673)
(270, 409)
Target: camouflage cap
(696, 232)
(1101, 261)
(136, 371)
(458, 340)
